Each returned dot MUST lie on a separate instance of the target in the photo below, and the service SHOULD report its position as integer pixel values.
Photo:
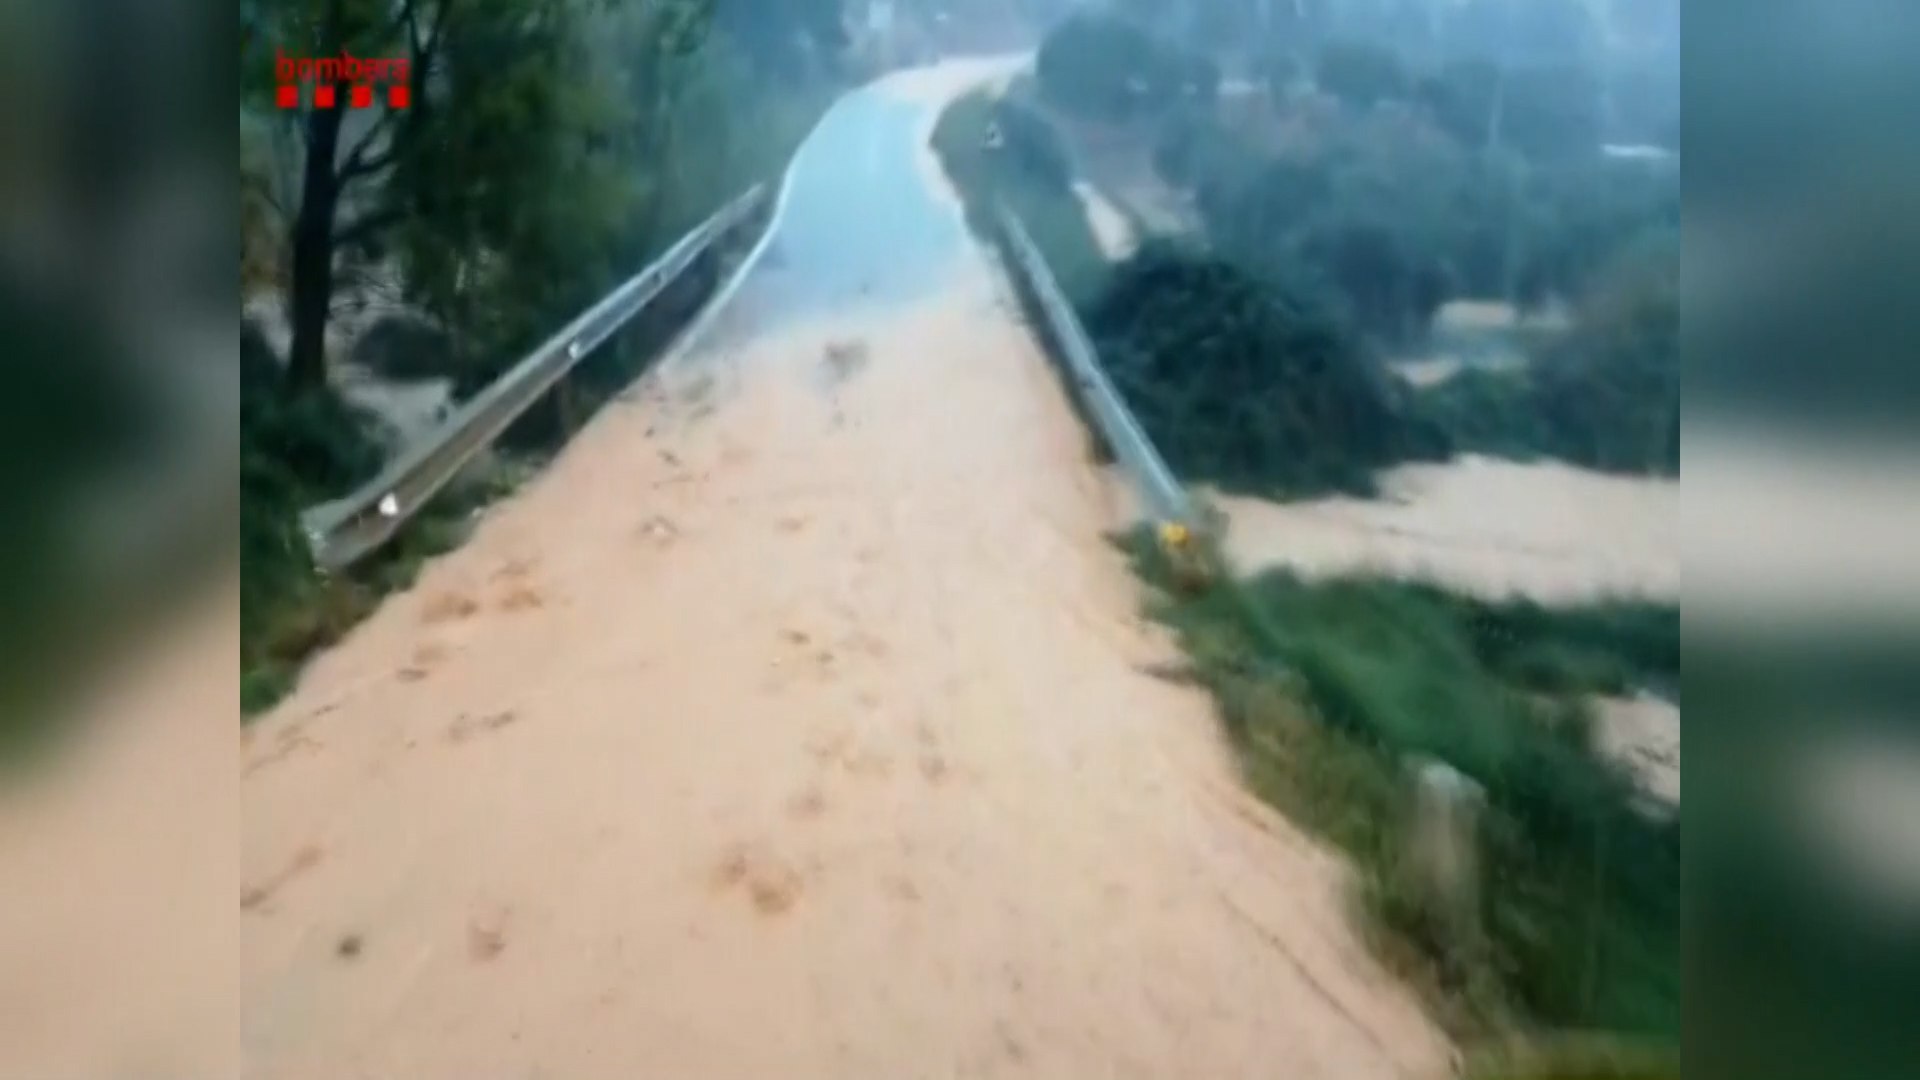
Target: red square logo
(362, 96)
(323, 97)
(287, 96)
(398, 96)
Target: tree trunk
(312, 290)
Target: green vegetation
(1461, 162)
(1326, 688)
(1424, 165)
(1360, 73)
(552, 147)
(297, 450)
(1606, 394)
(1464, 163)
(404, 347)
(1578, 1059)
(294, 450)
(1397, 216)
(1109, 68)
(1028, 171)
(1248, 383)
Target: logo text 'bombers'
(328, 73)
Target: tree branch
(356, 168)
(262, 187)
(358, 164)
(427, 50)
(410, 18)
(356, 231)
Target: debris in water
(1177, 673)
(845, 359)
(660, 530)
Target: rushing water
(860, 226)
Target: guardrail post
(567, 402)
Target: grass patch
(290, 611)
(1326, 688)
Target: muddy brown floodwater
(793, 723)
(1544, 530)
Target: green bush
(406, 347)
(1109, 68)
(1036, 148)
(1249, 383)
(1422, 199)
(1606, 394)
(1360, 73)
(1193, 148)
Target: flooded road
(794, 723)
(865, 218)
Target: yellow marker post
(1189, 564)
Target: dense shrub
(1193, 149)
(1552, 110)
(1384, 277)
(1034, 144)
(1398, 215)
(1461, 97)
(1384, 212)
(406, 347)
(1606, 394)
(1278, 70)
(1248, 382)
(1610, 389)
(1361, 74)
(1193, 79)
(1543, 111)
(1110, 68)
(1093, 64)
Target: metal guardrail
(347, 529)
(1159, 490)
